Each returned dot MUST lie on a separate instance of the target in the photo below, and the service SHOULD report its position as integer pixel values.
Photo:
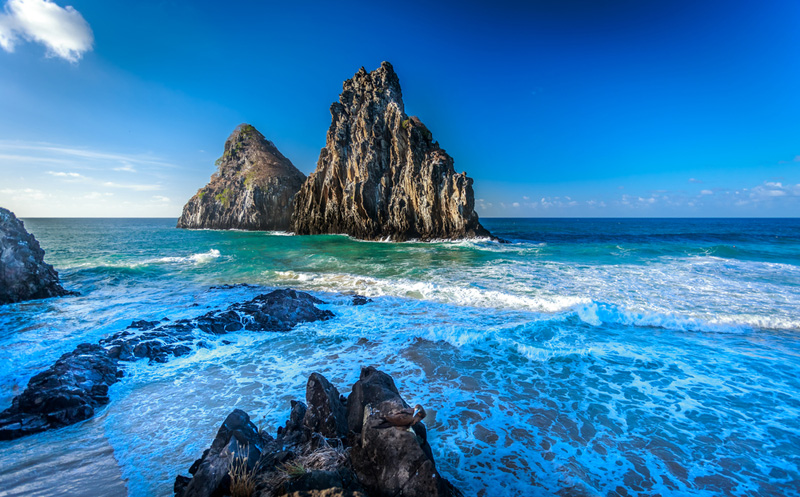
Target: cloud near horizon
(63, 30)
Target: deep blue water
(588, 356)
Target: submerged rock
(253, 189)
(314, 455)
(77, 384)
(23, 273)
(381, 175)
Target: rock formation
(23, 272)
(77, 384)
(381, 175)
(252, 190)
(323, 450)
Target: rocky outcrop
(77, 384)
(65, 394)
(381, 175)
(311, 456)
(253, 189)
(23, 272)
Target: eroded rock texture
(23, 273)
(320, 452)
(381, 175)
(252, 190)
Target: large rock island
(381, 175)
(23, 273)
(252, 190)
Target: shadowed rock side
(322, 450)
(77, 384)
(23, 273)
(381, 175)
(253, 189)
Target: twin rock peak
(379, 176)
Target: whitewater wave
(200, 258)
(469, 296)
(597, 314)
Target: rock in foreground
(323, 450)
(23, 273)
(77, 384)
(381, 175)
(253, 189)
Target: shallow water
(605, 357)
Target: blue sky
(555, 108)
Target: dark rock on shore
(381, 175)
(66, 393)
(253, 189)
(78, 382)
(315, 454)
(23, 273)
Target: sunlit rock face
(23, 273)
(252, 190)
(381, 175)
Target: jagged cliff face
(381, 175)
(23, 273)
(252, 190)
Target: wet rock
(253, 189)
(361, 300)
(23, 273)
(279, 310)
(326, 414)
(66, 393)
(381, 175)
(239, 438)
(77, 384)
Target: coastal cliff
(23, 273)
(252, 190)
(381, 175)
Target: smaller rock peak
(243, 132)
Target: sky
(558, 108)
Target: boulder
(326, 414)
(381, 175)
(372, 387)
(253, 189)
(23, 273)
(237, 438)
(390, 461)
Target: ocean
(587, 356)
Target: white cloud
(706, 192)
(64, 175)
(97, 195)
(161, 198)
(127, 168)
(63, 30)
(694, 180)
(24, 193)
(135, 187)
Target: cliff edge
(23, 273)
(381, 175)
(253, 188)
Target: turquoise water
(605, 357)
